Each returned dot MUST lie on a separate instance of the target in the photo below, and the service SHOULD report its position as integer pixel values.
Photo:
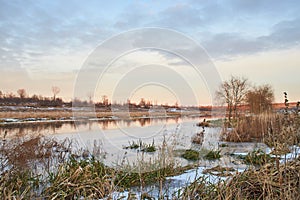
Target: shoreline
(17, 117)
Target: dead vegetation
(278, 130)
(272, 181)
(252, 128)
(272, 129)
(198, 138)
(88, 179)
(68, 114)
(46, 168)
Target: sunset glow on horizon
(47, 43)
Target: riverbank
(29, 115)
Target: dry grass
(16, 184)
(20, 161)
(145, 171)
(198, 138)
(250, 128)
(88, 179)
(219, 171)
(51, 114)
(272, 129)
(272, 181)
(87, 114)
(45, 168)
(39, 114)
(28, 153)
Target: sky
(51, 43)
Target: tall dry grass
(80, 179)
(275, 129)
(255, 127)
(270, 128)
(272, 181)
(31, 167)
(44, 168)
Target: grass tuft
(190, 154)
(141, 146)
(257, 158)
(213, 155)
(76, 179)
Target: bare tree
(142, 102)
(10, 95)
(22, 93)
(233, 93)
(35, 97)
(105, 100)
(90, 97)
(55, 91)
(1, 94)
(260, 99)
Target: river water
(111, 135)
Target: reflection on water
(56, 127)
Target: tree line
(23, 98)
(233, 93)
(239, 91)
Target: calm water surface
(111, 135)
(65, 127)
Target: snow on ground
(176, 134)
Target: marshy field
(149, 100)
(150, 157)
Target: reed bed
(270, 128)
(273, 181)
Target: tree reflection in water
(56, 127)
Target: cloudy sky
(46, 43)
